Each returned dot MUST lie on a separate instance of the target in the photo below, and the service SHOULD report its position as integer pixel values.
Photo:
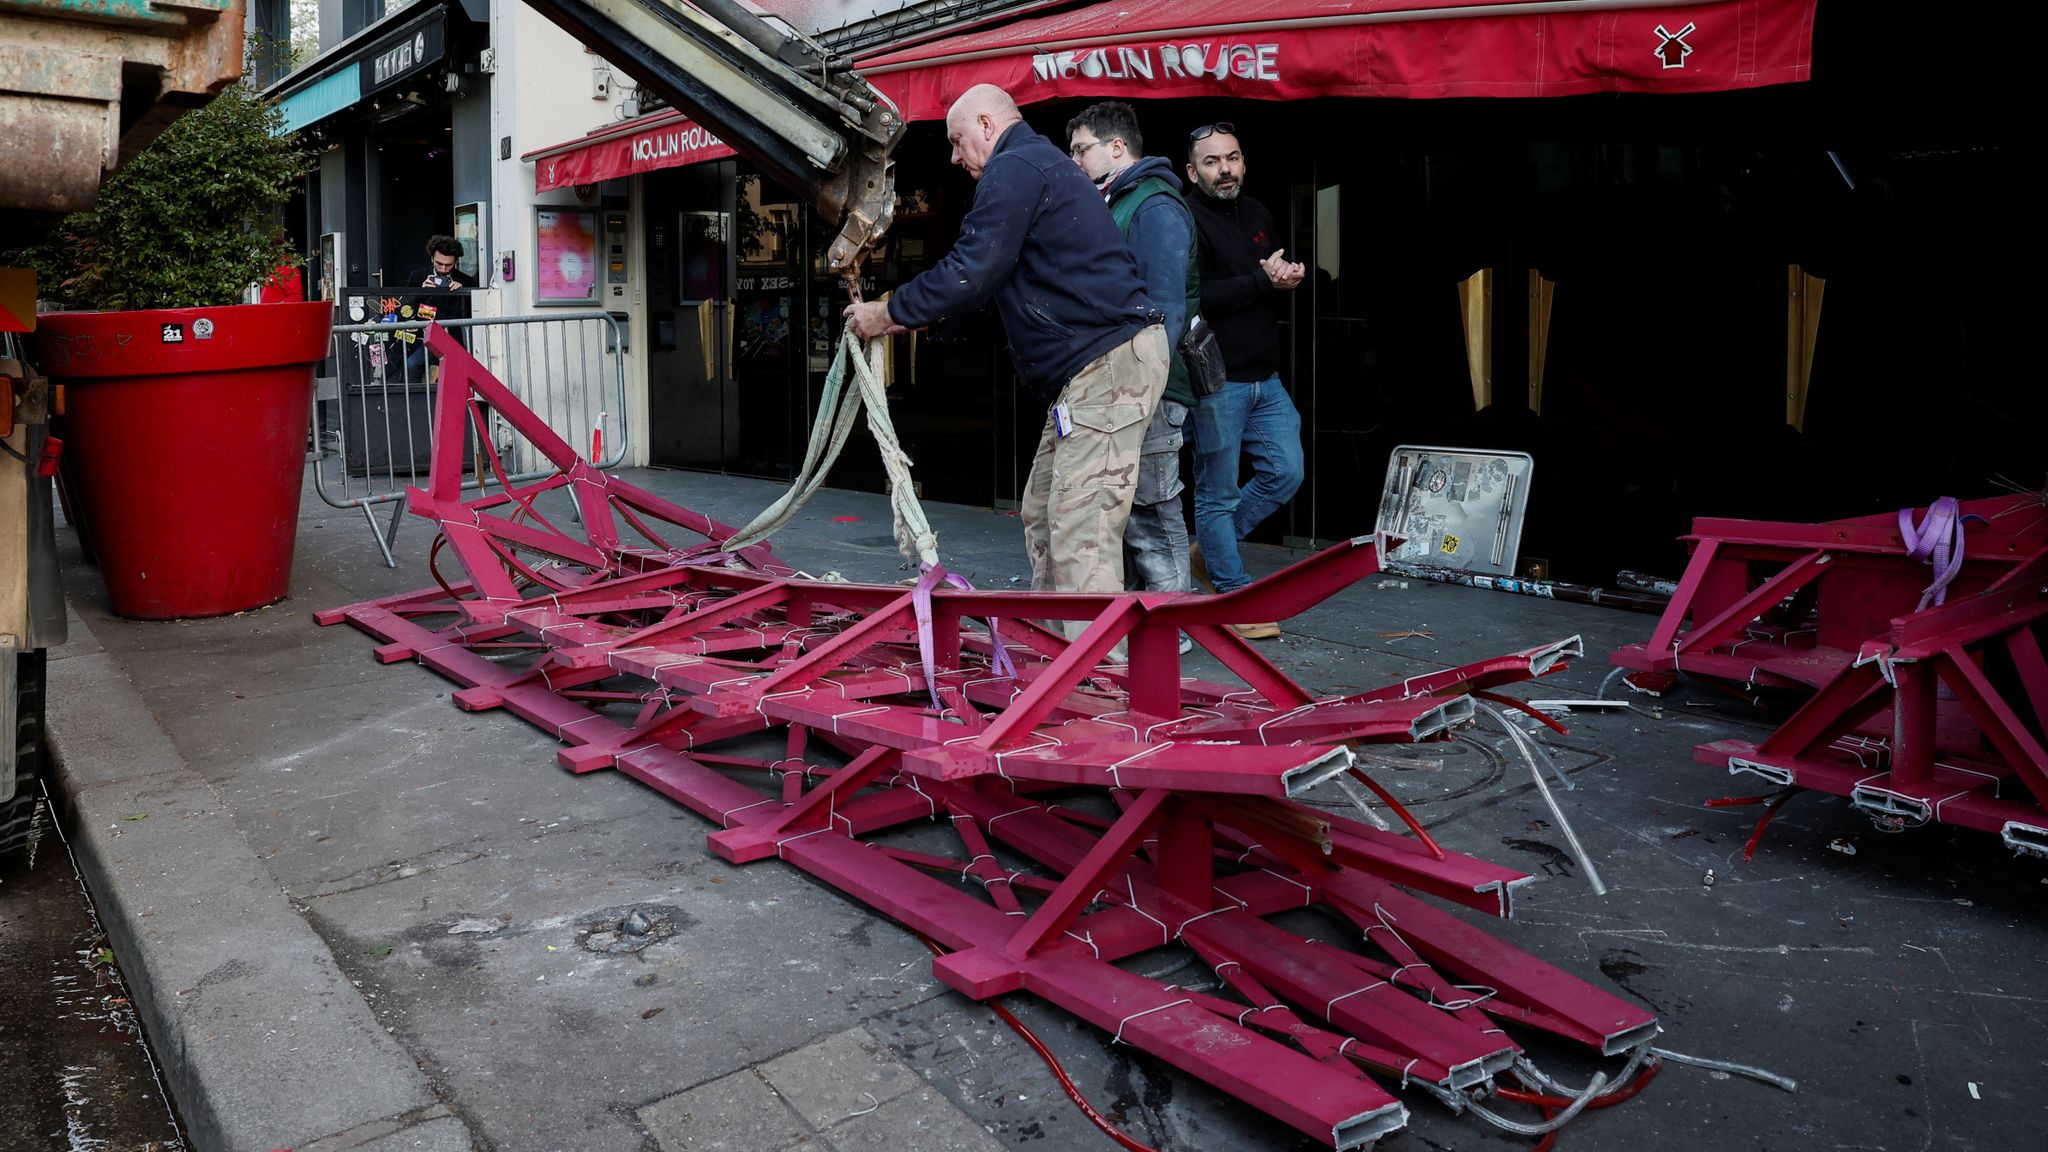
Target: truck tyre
(23, 818)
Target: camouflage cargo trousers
(1079, 495)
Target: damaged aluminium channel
(1101, 810)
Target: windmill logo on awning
(1673, 49)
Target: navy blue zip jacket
(1042, 245)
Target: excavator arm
(781, 101)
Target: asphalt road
(336, 859)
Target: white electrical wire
(1754, 1073)
(1523, 745)
(1538, 1078)
(1577, 1105)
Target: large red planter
(185, 447)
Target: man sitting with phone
(443, 254)
(440, 276)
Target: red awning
(1287, 50)
(1296, 49)
(665, 139)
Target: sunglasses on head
(1219, 128)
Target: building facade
(1699, 259)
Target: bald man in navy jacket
(1040, 244)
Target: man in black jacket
(441, 273)
(1244, 271)
(439, 276)
(1041, 244)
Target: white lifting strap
(838, 408)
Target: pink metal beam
(1924, 771)
(1285, 771)
(674, 664)
(1870, 580)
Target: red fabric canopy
(666, 139)
(1288, 50)
(1297, 49)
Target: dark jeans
(1255, 419)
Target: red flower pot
(185, 446)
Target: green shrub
(190, 222)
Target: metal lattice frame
(1917, 716)
(1785, 605)
(1982, 765)
(1097, 811)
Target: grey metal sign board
(1456, 507)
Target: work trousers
(1156, 539)
(1078, 497)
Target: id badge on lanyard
(1062, 420)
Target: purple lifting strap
(1939, 542)
(921, 597)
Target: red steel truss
(1917, 714)
(1985, 769)
(940, 755)
(1782, 605)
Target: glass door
(693, 414)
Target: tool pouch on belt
(1203, 356)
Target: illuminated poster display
(469, 232)
(565, 256)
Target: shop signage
(392, 63)
(404, 52)
(1214, 59)
(1408, 49)
(680, 144)
(671, 143)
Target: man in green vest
(1143, 193)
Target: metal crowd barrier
(372, 434)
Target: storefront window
(302, 31)
(704, 237)
(360, 14)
